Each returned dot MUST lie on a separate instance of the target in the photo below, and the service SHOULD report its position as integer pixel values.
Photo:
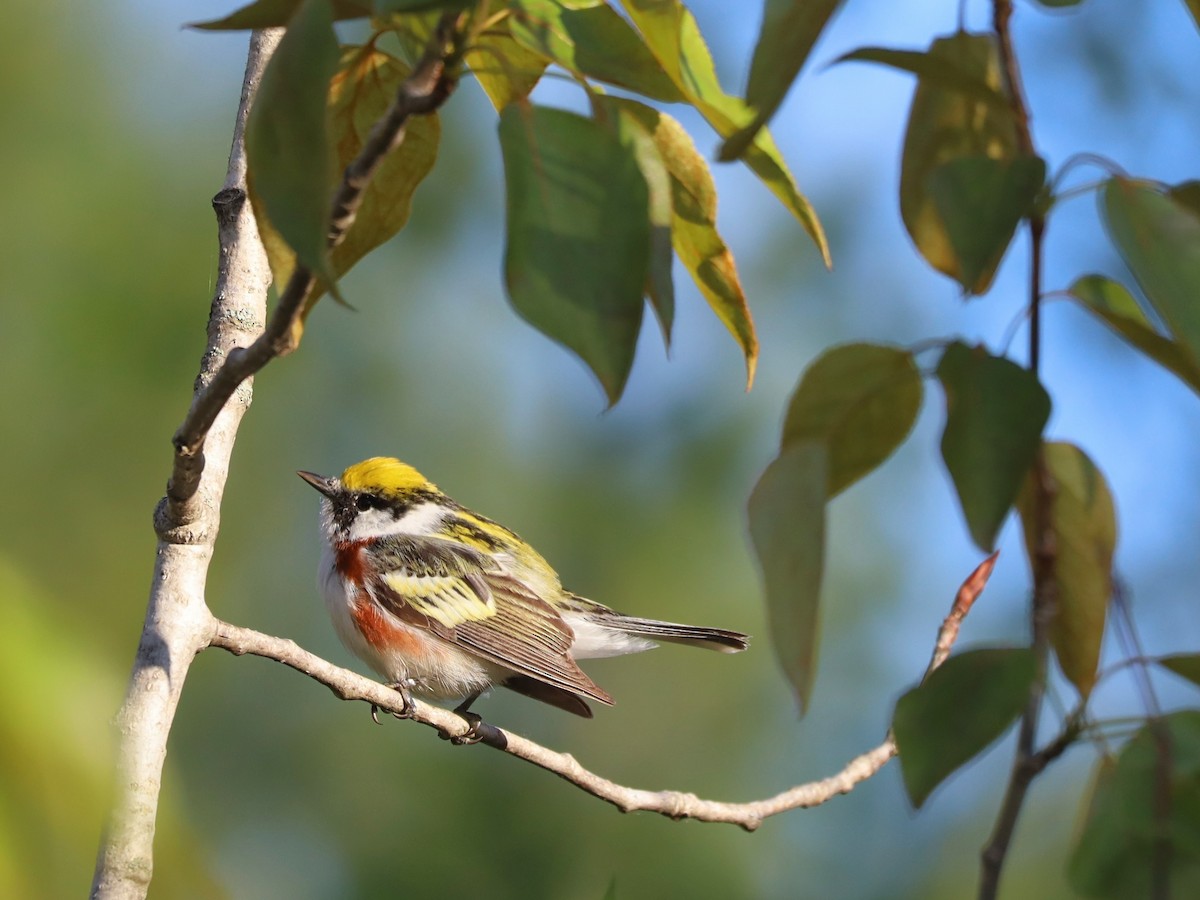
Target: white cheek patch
(421, 521)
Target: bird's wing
(467, 598)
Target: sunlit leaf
(360, 92)
(861, 401)
(1117, 308)
(1159, 239)
(935, 69)
(277, 13)
(504, 69)
(787, 527)
(959, 710)
(789, 30)
(980, 202)
(1083, 526)
(947, 123)
(1185, 665)
(671, 33)
(577, 254)
(694, 227)
(1142, 833)
(995, 413)
(287, 151)
(590, 38)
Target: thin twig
(423, 92)
(348, 685)
(1028, 762)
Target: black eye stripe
(367, 501)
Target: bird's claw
(406, 703)
(472, 735)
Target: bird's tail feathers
(719, 639)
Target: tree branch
(348, 685)
(1028, 763)
(178, 623)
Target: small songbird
(445, 603)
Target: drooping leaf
(933, 69)
(1142, 832)
(287, 149)
(1083, 523)
(1159, 239)
(577, 253)
(947, 123)
(789, 30)
(360, 92)
(1117, 308)
(861, 401)
(995, 413)
(277, 13)
(957, 712)
(694, 227)
(787, 527)
(505, 69)
(1187, 193)
(671, 33)
(980, 202)
(638, 135)
(589, 37)
(1185, 665)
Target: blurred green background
(117, 130)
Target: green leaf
(694, 227)
(1194, 8)
(995, 413)
(947, 123)
(1117, 308)
(787, 527)
(980, 202)
(638, 134)
(861, 401)
(964, 705)
(1185, 665)
(504, 69)
(384, 7)
(1142, 833)
(576, 259)
(933, 69)
(287, 149)
(589, 37)
(671, 33)
(277, 13)
(1159, 239)
(1186, 194)
(1084, 527)
(789, 30)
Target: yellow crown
(384, 475)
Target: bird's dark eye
(366, 501)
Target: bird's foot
(406, 702)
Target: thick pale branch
(675, 805)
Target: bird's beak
(327, 486)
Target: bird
(445, 604)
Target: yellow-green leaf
(589, 37)
(287, 150)
(948, 123)
(787, 527)
(1083, 525)
(671, 33)
(1159, 239)
(1185, 665)
(933, 69)
(505, 69)
(577, 254)
(1116, 307)
(995, 413)
(861, 401)
(789, 30)
(694, 227)
(957, 712)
